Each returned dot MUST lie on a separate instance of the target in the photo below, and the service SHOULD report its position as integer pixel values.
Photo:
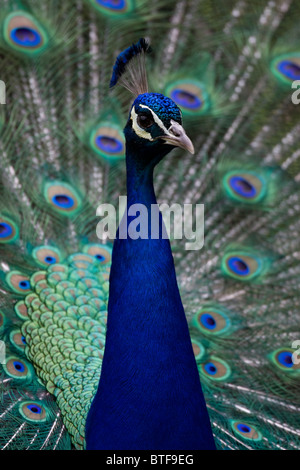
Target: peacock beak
(177, 136)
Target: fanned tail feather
(230, 67)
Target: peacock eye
(144, 120)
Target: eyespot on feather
(243, 186)
(190, 96)
(286, 67)
(24, 33)
(21, 310)
(17, 339)
(108, 142)
(241, 266)
(211, 321)
(9, 231)
(17, 368)
(246, 430)
(215, 369)
(18, 282)
(63, 198)
(283, 359)
(101, 253)
(46, 255)
(198, 349)
(33, 411)
(114, 8)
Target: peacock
(117, 342)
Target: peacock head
(155, 127)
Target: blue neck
(140, 186)
(149, 395)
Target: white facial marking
(141, 132)
(138, 130)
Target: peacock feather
(225, 71)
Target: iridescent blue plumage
(164, 107)
(152, 399)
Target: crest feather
(130, 70)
